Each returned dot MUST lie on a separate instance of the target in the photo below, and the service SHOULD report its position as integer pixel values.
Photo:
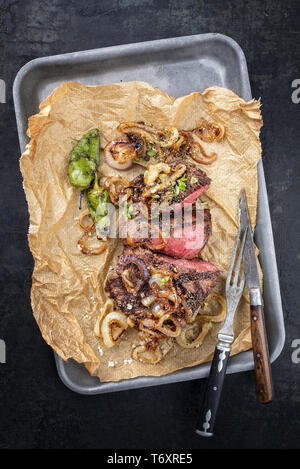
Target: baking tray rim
(134, 48)
(80, 55)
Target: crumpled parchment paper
(67, 292)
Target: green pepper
(84, 160)
(97, 199)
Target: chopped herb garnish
(194, 180)
(151, 152)
(163, 176)
(176, 189)
(179, 185)
(164, 280)
(155, 196)
(128, 211)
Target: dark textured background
(36, 409)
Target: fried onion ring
(217, 317)
(153, 172)
(112, 327)
(123, 270)
(115, 185)
(119, 154)
(184, 341)
(178, 172)
(146, 353)
(198, 154)
(208, 132)
(164, 326)
(163, 138)
(86, 228)
(82, 243)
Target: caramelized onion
(147, 242)
(115, 186)
(147, 354)
(217, 317)
(163, 138)
(107, 308)
(184, 341)
(131, 320)
(153, 172)
(198, 154)
(131, 242)
(167, 326)
(178, 172)
(167, 294)
(119, 154)
(139, 129)
(168, 137)
(112, 327)
(148, 300)
(156, 247)
(158, 309)
(183, 143)
(131, 287)
(164, 273)
(208, 132)
(86, 228)
(82, 243)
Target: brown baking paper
(67, 292)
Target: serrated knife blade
(262, 367)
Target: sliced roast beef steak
(174, 198)
(194, 280)
(186, 239)
(187, 233)
(185, 191)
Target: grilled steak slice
(184, 243)
(193, 184)
(195, 280)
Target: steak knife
(262, 368)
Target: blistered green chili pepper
(84, 160)
(97, 199)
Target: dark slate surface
(37, 410)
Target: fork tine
(242, 281)
(229, 273)
(238, 264)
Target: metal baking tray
(178, 66)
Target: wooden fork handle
(262, 368)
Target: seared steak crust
(195, 279)
(201, 183)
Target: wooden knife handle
(262, 369)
